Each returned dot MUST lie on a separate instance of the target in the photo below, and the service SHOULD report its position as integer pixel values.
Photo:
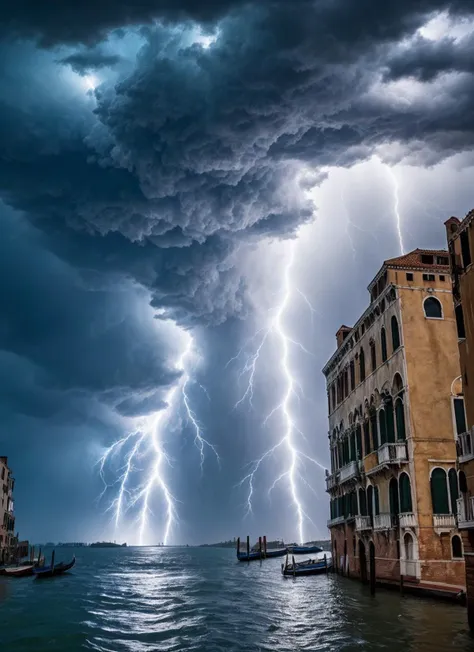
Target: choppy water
(146, 599)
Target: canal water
(202, 599)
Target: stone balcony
(407, 519)
(465, 509)
(392, 453)
(382, 522)
(339, 520)
(443, 523)
(332, 481)
(362, 523)
(464, 446)
(349, 472)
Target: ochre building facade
(395, 407)
(461, 254)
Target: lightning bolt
(148, 435)
(287, 442)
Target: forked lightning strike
(287, 442)
(149, 446)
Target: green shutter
(453, 489)
(383, 427)
(377, 505)
(390, 423)
(367, 437)
(400, 415)
(393, 495)
(359, 442)
(439, 492)
(353, 447)
(405, 494)
(383, 339)
(460, 416)
(395, 334)
(363, 502)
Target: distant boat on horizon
(107, 544)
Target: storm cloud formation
(146, 144)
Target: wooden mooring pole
(248, 546)
(260, 546)
(265, 545)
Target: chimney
(452, 226)
(341, 334)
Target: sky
(193, 198)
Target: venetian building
(393, 420)
(7, 519)
(461, 254)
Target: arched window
(359, 441)
(370, 502)
(333, 396)
(389, 419)
(456, 547)
(432, 308)
(395, 334)
(352, 375)
(393, 499)
(439, 491)
(367, 445)
(362, 502)
(383, 342)
(408, 546)
(453, 489)
(373, 356)
(400, 417)
(376, 501)
(405, 494)
(362, 365)
(373, 427)
(382, 427)
(462, 482)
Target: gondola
(54, 569)
(18, 571)
(304, 550)
(308, 567)
(254, 555)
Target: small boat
(54, 569)
(19, 571)
(304, 550)
(308, 567)
(254, 555)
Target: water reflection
(139, 600)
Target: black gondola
(308, 567)
(254, 555)
(54, 569)
(304, 550)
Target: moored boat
(307, 567)
(261, 553)
(304, 550)
(19, 571)
(54, 569)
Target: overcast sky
(161, 165)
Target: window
(367, 446)
(383, 340)
(432, 308)
(439, 491)
(376, 501)
(442, 260)
(400, 417)
(409, 276)
(426, 259)
(465, 249)
(459, 415)
(333, 395)
(382, 427)
(362, 365)
(362, 502)
(359, 441)
(408, 546)
(456, 547)
(460, 322)
(453, 489)
(428, 277)
(405, 494)
(395, 334)
(373, 356)
(373, 427)
(442, 278)
(393, 498)
(362, 329)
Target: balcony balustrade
(335, 521)
(362, 523)
(382, 522)
(349, 472)
(407, 519)
(465, 509)
(393, 453)
(444, 522)
(464, 446)
(332, 481)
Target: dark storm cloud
(426, 59)
(93, 59)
